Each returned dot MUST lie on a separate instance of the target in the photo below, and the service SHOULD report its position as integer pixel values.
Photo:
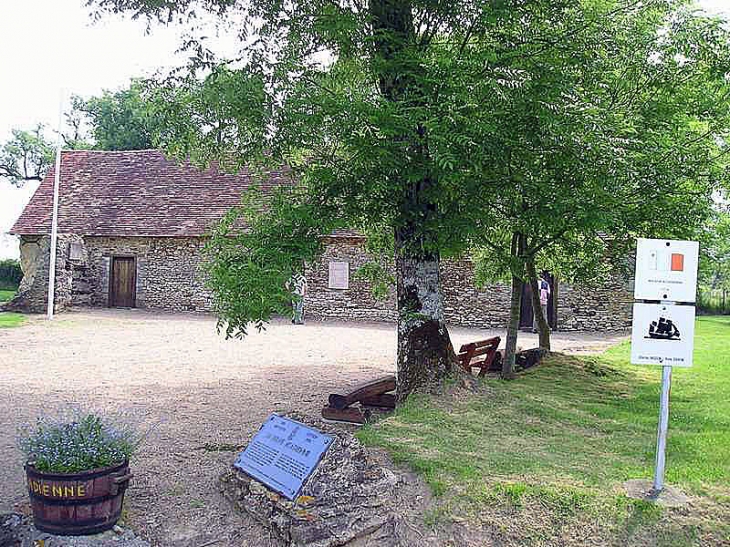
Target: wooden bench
(482, 355)
(370, 394)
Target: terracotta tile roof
(134, 193)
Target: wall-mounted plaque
(283, 454)
(339, 275)
(75, 251)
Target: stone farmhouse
(132, 225)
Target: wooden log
(386, 400)
(349, 415)
(368, 389)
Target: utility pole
(54, 216)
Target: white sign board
(663, 334)
(339, 275)
(666, 270)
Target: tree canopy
(440, 125)
(115, 120)
(25, 156)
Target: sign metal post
(661, 443)
(663, 323)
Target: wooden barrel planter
(76, 504)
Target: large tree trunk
(425, 353)
(510, 348)
(542, 325)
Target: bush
(715, 302)
(10, 274)
(87, 441)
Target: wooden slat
(350, 415)
(486, 349)
(386, 400)
(368, 389)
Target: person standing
(298, 287)
(544, 288)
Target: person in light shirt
(298, 287)
(544, 288)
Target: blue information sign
(283, 454)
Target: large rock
(355, 497)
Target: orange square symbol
(677, 262)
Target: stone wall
(467, 305)
(464, 303)
(578, 308)
(604, 307)
(32, 293)
(355, 303)
(168, 272)
(169, 278)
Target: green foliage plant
(82, 442)
(431, 121)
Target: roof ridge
(96, 151)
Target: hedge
(10, 273)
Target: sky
(50, 49)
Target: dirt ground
(204, 395)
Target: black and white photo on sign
(662, 334)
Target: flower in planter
(85, 441)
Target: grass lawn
(9, 319)
(542, 460)
(6, 294)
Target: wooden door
(526, 313)
(122, 282)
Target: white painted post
(661, 445)
(54, 217)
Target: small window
(339, 277)
(75, 251)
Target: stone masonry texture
(170, 277)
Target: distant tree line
(115, 120)
(10, 274)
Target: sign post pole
(662, 333)
(661, 445)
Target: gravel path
(206, 395)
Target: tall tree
(117, 120)
(602, 148)
(714, 270)
(390, 114)
(25, 156)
